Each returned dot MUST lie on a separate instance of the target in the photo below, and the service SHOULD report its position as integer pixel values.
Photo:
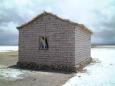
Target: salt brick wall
(61, 40)
(82, 45)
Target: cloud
(97, 15)
(8, 33)
(15, 12)
(104, 23)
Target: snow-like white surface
(8, 48)
(98, 74)
(10, 74)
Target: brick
(69, 44)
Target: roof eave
(85, 28)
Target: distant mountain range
(6, 44)
(16, 44)
(103, 44)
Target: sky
(97, 15)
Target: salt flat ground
(10, 76)
(8, 48)
(99, 73)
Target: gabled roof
(48, 13)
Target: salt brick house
(50, 42)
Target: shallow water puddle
(10, 74)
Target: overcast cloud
(97, 15)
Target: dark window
(43, 43)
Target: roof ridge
(49, 13)
(43, 14)
(39, 15)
